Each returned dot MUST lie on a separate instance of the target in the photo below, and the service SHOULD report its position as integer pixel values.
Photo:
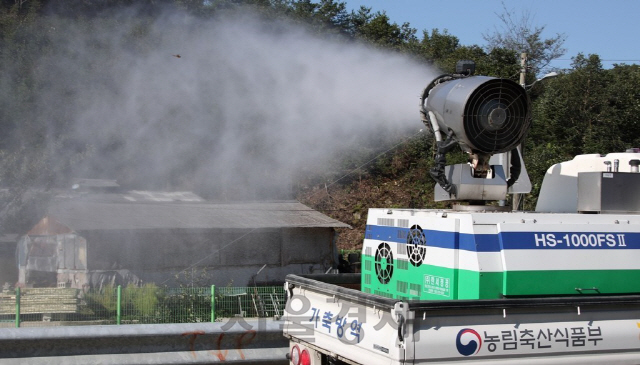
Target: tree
(439, 45)
(327, 16)
(585, 110)
(378, 30)
(23, 147)
(520, 35)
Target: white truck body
(479, 283)
(340, 325)
(487, 302)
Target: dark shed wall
(228, 254)
(8, 268)
(301, 246)
(149, 249)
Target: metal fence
(34, 307)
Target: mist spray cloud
(230, 103)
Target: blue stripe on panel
(512, 240)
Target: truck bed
(350, 326)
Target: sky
(607, 28)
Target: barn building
(94, 239)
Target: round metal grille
(416, 245)
(384, 263)
(496, 116)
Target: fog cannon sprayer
(488, 118)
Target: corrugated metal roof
(115, 212)
(49, 226)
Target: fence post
(17, 307)
(118, 304)
(213, 303)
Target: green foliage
(192, 300)
(589, 110)
(141, 302)
(538, 158)
(378, 30)
(103, 301)
(500, 62)
(150, 304)
(326, 17)
(443, 50)
(439, 46)
(585, 110)
(35, 151)
(191, 305)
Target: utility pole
(523, 68)
(516, 198)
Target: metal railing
(36, 307)
(236, 340)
